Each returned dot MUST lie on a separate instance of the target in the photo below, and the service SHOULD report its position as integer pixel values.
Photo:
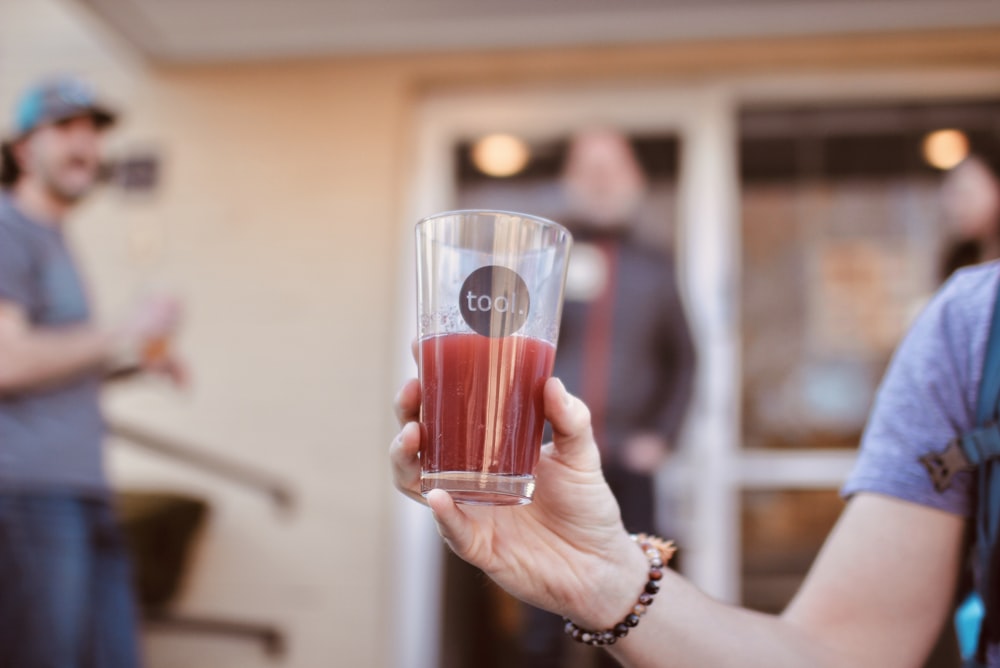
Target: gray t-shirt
(50, 438)
(929, 396)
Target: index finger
(407, 403)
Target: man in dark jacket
(624, 344)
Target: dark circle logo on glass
(494, 301)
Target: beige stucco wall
(279, 213)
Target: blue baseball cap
(59, 99)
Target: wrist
(616, 590)
(656, 553)
(121, 350)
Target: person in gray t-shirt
(65, 598)
(880, 590)
(928, 397)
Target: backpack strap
(988, 404)
(978, 618)
(980, 446)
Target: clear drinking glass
(489, 300)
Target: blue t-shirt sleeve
(15, 268)
(928, 396)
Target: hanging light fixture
(945, 148)
(500, 155)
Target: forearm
(684, 628)
(858, 606)
(40, 357)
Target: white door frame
(704, 118)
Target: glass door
(684, 138)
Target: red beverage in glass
(482, 410)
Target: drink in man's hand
(482, 409)
(490, 289)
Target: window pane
(843, 236)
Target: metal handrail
(271, 638)
(237, 472)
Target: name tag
(587, 274)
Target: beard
(607, 209)
(72, 179)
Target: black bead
(645, 598)
(612, 640)
(620, 630)
(632, 620)
(652, 587)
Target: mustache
(104, 170)
(81, 160)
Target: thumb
(571, 430)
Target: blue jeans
(65, 594)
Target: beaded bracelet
(659, 552)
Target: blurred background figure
(970, 198)
(624, 343)
(65, 597)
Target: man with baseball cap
(65, 597)
(55, 101)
